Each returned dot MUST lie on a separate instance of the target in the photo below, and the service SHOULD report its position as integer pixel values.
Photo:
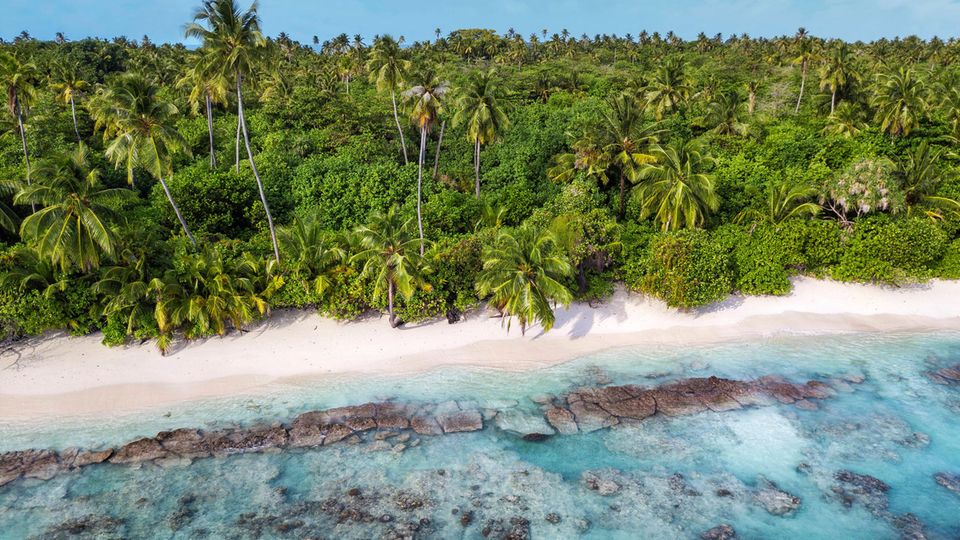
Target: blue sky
(163, 20)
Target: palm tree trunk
(436, 158)
(833, 100)
(176, 210)
(403, 143)
(393, 318)
(751, 103)
(237, 146)
(23, 140)
(213, 155)
(803, 82)
(423, 147)
(73, 111)
(476, 165)
(623, 195)
(253, 165)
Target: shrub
(687, 269)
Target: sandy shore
(62, 376)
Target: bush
(892, 251)
(220, 202)
(688, 269)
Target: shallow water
(897, 426)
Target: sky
(163, 20)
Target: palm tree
(669, 88)
(846, 120)
(900, 101)
(234, 40)
(806, 53)
(675, 189)
(920, 175)
(752, 88)
(587, 158)
(140, 128)
(724, 115)
(388, 251)
(628, 139)
(69, 83)
(838, 72)
(427, 98)
(523, 273)
(387, 69)
(17, 80)
(207, 83)
(479, 109)
(784, 201)
(125, 288)
(71, 229)
(310, 253)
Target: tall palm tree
(17, 80)
(71, 229)
(920, 174)
(68, 83)
(846, 121)
(140, 128)
(388, 251)
(587, 157)
(233, 38)
(479, 109)
(806, 54)
(900, 100)
(388, 69)
(523, 273)
(837, 72)
(675, 189)
(752, 87)
(207, 83)
(784, 201)
(723, 114)
(627, 141)
(669, 88)
(427, 104)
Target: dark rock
(949, 481)
(723, 492)
(89, 526)
(336, 433)
(553, 517)
(638, 408)
(806, 405)
(720, 532)
(91, 457)
(241, 441)
(678, 484)
(909, 526)
(386, 518)
(308, 429)
(186, 443)
(591, 417)
(138, 451)
(459, 422)
(947, 375)
(774, 500)
(853, 487)
(466, 518)
(42, 464)
(407, 501)
(426, 425)
(354, 492)
(599, 483)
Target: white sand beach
(62, 376)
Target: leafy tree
(388, 69)
(523, 273)
(18, 81)
(388, 251)
(863, 187)
(784, 201)
(900, 101)
(479, 109)
(234, 41)
(675, 189)
(139, 126)
(426, 101)
(920, 174)
(72, 227)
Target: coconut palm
(207, 83)
(523, 273)
(125, 288)
(838, 72)
(627, 141)
(900, 100)
(668, 89)
(388, 251)
(846, 121)
(140, 128)
(674, 189)
(234, 41)
(920, 174)
(752, 87)
(723, 114)
(426, 101)
(388, 68)
(479, 109)
(17, 80)
(588, 158)
(784, 201)
(806, 55)
(68, 83)
(72, 228)
(310, 253)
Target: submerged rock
(528, 426)
(88, 526)
(775, 500)
(949, 481)
(720, 532)
(868, 490)
(562, 420)
(459, 422)
(600, 482)
(948, 375)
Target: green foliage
(688, 269)
(216, 203)
(892, 251)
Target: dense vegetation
(152, 191)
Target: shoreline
(56, 375)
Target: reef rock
(600, 482)
(460, 421)
(949, 481)
(138, 451)
(853, 487)
(528, 426)
(720, 532)
(186, 443)
(562, 420)
(774, 500)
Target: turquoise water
(897, 426)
